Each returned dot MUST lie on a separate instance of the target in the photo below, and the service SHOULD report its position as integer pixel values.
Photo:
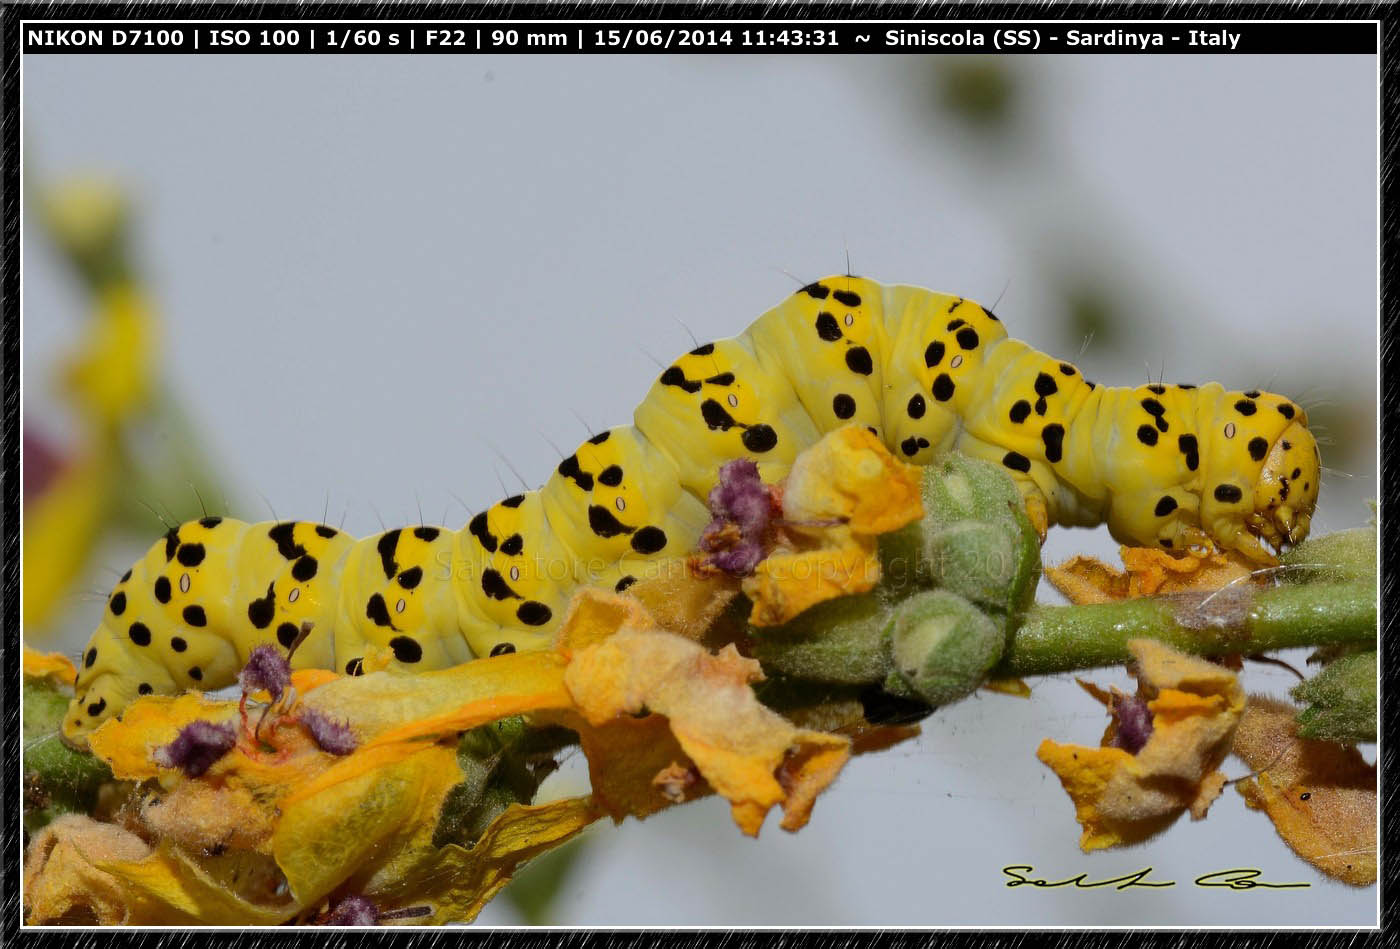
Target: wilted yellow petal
(1320, 795)
(1121, 797)
(1013, 687)
(850, 476)
(457, 882)
(1157, 572)
(840, 494)
(1083, 579)
(440, 701)
(168, 888)
(360, 813)
(1149, 572)
(813, 762)
(61, 883)
(625, 757)
(126, 743)
(685, 601)
(1209, 790)
(54, 666)
(785, 584)
(660, 718)
(739, 746)
(593, 617)
(61, 526)
(80, 870)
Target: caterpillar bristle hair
(1166, 466)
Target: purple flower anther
(353, 911)
(268, 670)
(1134, 725)
(741, 507)
(198, 745)
(330, 735)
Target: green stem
(1234, 620)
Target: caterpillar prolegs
(1170, 466)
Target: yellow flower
(1145, 775)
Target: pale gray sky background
(378, 271)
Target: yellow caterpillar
(1174, 466)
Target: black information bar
(697, 36)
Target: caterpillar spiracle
(1169, 466)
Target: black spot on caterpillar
(1180, 465)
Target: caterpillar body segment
(615, 525)
(1167, 466)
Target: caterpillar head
(1285, 494)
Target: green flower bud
(974, 539)
(942, 646)
(842, 640)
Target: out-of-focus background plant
(133, 446)
(223, 323)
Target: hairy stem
(1233, 620)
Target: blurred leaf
(980, 92)
(1092, 312)
(537, 887)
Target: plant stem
(1234, 620)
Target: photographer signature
(1239, 878)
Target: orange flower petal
(1148, 572)
(54, 666)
